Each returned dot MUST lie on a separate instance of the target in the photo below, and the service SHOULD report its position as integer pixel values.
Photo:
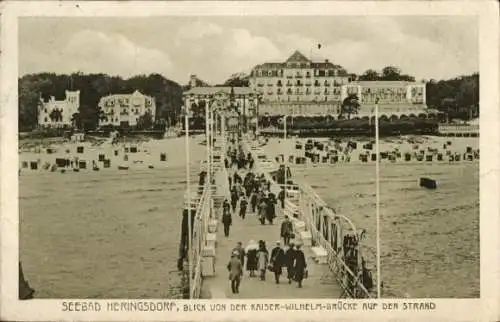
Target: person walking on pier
(235, 269)
(286, 230)
(262, 259)
(277, 261)
(253, 200)
(243, 206)
(289, 261)
(241, 253)
(300, 265)
(281, 197)
(234, 198)
(227, 221)
(251, 252)
(250, 161)
(271, 209)
(263, 211)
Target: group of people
(259, 260)
(236, 157)
(251, 195)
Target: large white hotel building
(301, 86)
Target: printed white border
(484, 309)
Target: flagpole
(285, 161)
(377, 205)
(188, 183)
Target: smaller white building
(54, 113)
(125, 109)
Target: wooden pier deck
(320, 284)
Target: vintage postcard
(228, 161)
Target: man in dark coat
(286, 230)
(289, 260)
(227, 220)
(300, 265)
(243, 206)
(234, 198)
(277, 261)
(271, 209)
(281, 197)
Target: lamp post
(188, 183)
(377, 193)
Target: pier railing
(200, 228)
(335, 233)
(338, 235)
(211, 193)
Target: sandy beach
(96, 234)
(429, 238)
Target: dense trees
(238, 80)
(389, 73)
(458, 97)
(350, 105)
(32, 87)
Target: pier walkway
(319, 284)
(330, 241)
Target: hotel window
(279, 83)
(46, 120)
(308, 74)
(321, 73)
(289, 91)
(316, 83)
(299, 83)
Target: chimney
(192, 81)
(327, 61)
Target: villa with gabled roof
(125, 109)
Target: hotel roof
(297, 57)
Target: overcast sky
(215, 47)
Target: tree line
(457, 97)
(33, 87)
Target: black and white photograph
(245, 157)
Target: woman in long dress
(262, 260)
(251, 251)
